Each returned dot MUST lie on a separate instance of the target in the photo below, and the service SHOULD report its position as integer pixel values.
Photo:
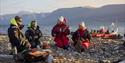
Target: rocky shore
(101, 51)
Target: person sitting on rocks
(60, 32)
(33, 34)
(81, 38)
(16, 36)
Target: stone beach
(101, 51)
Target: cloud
(14, 6)
(95, 3)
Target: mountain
(105, 14)
(25, 15)
(75, 15)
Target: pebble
(103, 50)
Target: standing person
(60, 32)
(81, 38)
(33, 34)
(16, 37)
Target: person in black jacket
(33, 34)
(16, 37)
(81, 38)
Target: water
(47, 29)
(44, 29)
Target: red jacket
(60, 33)
(82, 35)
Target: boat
(107, 36)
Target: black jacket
(33, 36)
(81, 35)
(16, 38)
(14, 35)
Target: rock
(122, 61)
(102, 50)
(6, 58)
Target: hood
(13, 22)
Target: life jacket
(60, 33)
(60, 30)
(81, 40)
(86, 44)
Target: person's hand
(28, 45)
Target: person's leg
(14, 49)
(66, 47)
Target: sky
(38, 6)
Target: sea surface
(90, 25)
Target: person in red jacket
(81, 38)
(60, 32)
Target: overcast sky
(15, 6)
